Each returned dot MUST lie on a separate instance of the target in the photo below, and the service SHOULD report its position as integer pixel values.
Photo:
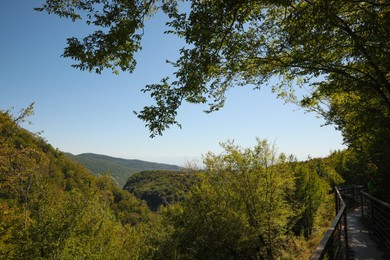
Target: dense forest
(161, 188)
(246, 203)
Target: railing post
(362, 203)
(331, 250)
(372, 212)
(346, 234)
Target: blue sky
(83, 112)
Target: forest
(246, 203)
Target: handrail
(351, 195)
(334, 244)
(376, 213)
(386, 205)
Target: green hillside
(53, 208)
(119, 169)
(160, 187)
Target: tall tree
(239, 208)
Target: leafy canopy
(238, 209)
(250, 203)
(330, 47)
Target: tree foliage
(247, 205)
(313, 180)
(329, 56)
(332, 47)
(53, 208)
(160, 188)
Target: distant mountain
(119, 169)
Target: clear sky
(82, 112)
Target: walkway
(361, 241)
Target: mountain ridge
(119, 168)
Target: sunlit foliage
(53, 208)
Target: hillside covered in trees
(51, 207)
(245, 203)
(119, 169)
(161, 188)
